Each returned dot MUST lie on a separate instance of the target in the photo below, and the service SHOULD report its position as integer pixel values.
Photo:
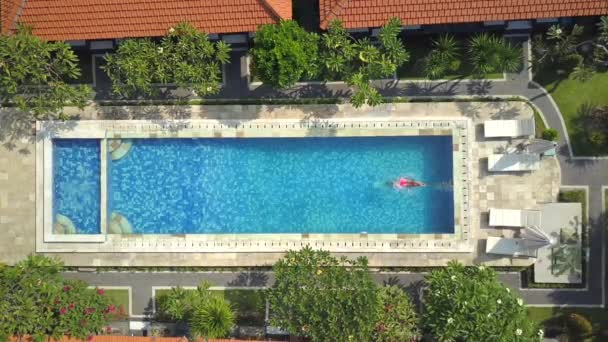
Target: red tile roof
(109, 19)
(374, 13)
(8, 12)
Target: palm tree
(213, 319)
(490, 53)
(443, 58)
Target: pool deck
(18, 181)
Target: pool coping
(46, 241)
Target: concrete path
(590, 173)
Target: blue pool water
(76, 183)
(280, 185)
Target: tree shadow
(447, 88)
(469, 109)
(168, 112)
(250, 278)
(479, 87)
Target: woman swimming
(404, 183)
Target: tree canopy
(359, 61)
(443, 58)
(490, 53)
(34, 75)
(36, 300)
(470, 304)
(565, 52)
(397, 319)
(284, 54)
(184, 57)
(323, 297)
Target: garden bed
(420, 46)
(120, 299)
(574, 98)
(249, 305)
(549, 317)
(566, 196)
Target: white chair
(510, 247)
(514, 218)
(513, 162)
(508, 128)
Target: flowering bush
(470, 304)
(185, 57)
(397, 319)
(36, 300)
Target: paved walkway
(591, 173)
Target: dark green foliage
(444, 58)
(489, 53)
(284, 54)
(578, 325)
(185, 57)
(33, 74)
(550, 134)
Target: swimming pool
(325, 185)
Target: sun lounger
(514, 218)
(508, 128)
(513, 162)
(510, 247)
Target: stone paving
(575, 170)
(486, 189)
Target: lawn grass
(574, 97)
(549, 317)
(575, 196)
(120, 299)
(249, 305)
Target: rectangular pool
(258, 185)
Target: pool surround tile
(456, 242)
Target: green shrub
(598, 138)
(397, 319)
(578, 325)
(550, 134)
(284, 53)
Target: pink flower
(89, 311)
(71, 306)
(89, 338)
(62, 311)
(101, 292)
(66, 288)
(108, 330)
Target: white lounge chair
(510, 247)
(508, 128)
(512, 162)
(514, 218)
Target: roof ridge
(279, 8)
(12, 7)
(334, 12)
